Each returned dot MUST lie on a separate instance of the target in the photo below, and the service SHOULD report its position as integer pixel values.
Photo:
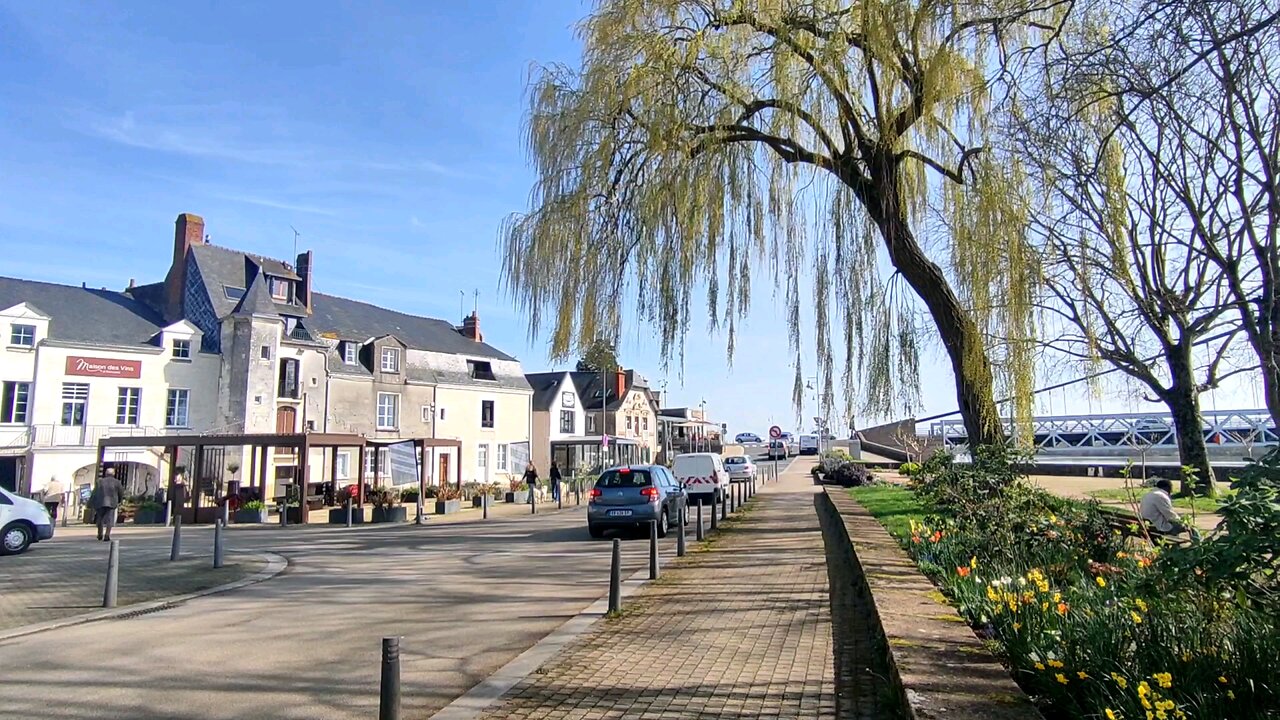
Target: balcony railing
(60, 436)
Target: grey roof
(588, 384)
(546, 388)
(355, 320)
(85, 315)
(257, 299)
(223, 267)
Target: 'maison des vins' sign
(103, 367)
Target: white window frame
(350, 353)
(384, 461)
(181, 349)
(568, 400)
(342, 466)
(18, 333)
(394, 412)
(482, 456)
(74, 395)
(502, 457)
(129, 406)
(21, 398)
(426, 413)
(393, 354)
(572, 417)
(177, 399)
(493, 414)
(282, 285)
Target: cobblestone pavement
(55, 580)
(740, 629)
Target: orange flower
(937, 535)
(1062, 608)
(963, 570)
(915, 539)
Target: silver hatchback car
(631, 496)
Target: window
(279, 288)
(426, 413)
(645, 420)
(265, 352)
(384, 468)
(175, 410)
(567, 399)
(22, 335)
(128, 401)
(480, 370)
(74, 398)
(628, 423)
(502, 457)
(441, 413)
(482, 456)
(486, 413)
(568, 422)
(289, 385)
(14, 402)
(232, 292)
(342, 467)
(391, 360)
(388, 411)
(591, 424)
(349, 351)
(182, 349)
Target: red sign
(775, 432)
(103, 367)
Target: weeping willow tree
(706, 142)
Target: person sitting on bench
(1157, 511)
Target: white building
(235, 343)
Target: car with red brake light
(703, 477)
(631, 496)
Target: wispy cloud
(279, 205)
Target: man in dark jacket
(104, 500)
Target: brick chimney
(188, 231)
(305, 261)
(471, 328)
(620, 383)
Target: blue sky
(387, 133)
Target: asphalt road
(466, 597)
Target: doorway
(286, 420)
(444, 469)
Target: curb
(275, 565)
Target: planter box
(521, 497)
(250, 517)
(394, 514)
(338, 516)
(445, 507)
(295, 516)
(477, 501)
(149, 517)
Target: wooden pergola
(261, 444)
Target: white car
(790, 441)
(702, 475)
(809, 444)
(22, 522)
(778, 450)
(740, 467)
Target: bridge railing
(1226, 428)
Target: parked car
(22, 522)
(809, 444)
(631, 496)
(702, 475)
(778, 450)
(790, 440)
(747, 439)
(740, 467)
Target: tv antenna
(296, 235)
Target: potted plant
(253, 512)
(338, 515)
(519, 492)
(448, 500)
(148, 512)
(409, 496)
(386, 506)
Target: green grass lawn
(893, 505)
(1199, 504)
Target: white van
(702, 475)
(808, 444)
(22, 522)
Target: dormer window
(232, 292)
(280, 288)
(349, 352)
(22, 335)
(182, 349)
(480, 370)
(391, 360)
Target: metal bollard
(113, 575)
(680, 539)
(577, 491)
(653, 549)
(284, 515)
(389, 695)
(348, 504)
(168, 518)
(217, 545)
(733, 497)
(484, 506)
(701, 533)
(533, 500)
(615, 578)
(175, 547)
(560, 498)
(420, 517)
(724, 507)
(226, 513)
(714, 520)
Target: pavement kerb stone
(941, 668)
(275, 564)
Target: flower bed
(1091, 623)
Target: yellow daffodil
(1137, 619)
(1120, 680)
(1102, 582)
(1112, 715)
(973, 562)
(1222, 679)
(1082, 675)
(1231, 695)
(1055, 664)
(1061, 678)
(1141, 604)
(1039, 666)
(1165, 679)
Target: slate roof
(257, 299)
(85, 315)
(221, 267)
(355, 320)
(546, 389)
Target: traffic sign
(775, 432)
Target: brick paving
(55, 579)
(740, 628)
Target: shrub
(255, 505)
(909, 469)
(850, 474)
(382, 497)
(410, 495)
(832, 459)
(517, 484)
(448, 492)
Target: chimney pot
(188, 230)
(471, 327)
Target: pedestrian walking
(104, 500)
(531, 480)
(556, 477)
(53, 494)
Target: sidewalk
(738, 629)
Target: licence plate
(619, 513)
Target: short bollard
(226, 513)
(421, 516)
(113, 575)
(484, 507)
(733, 497)
(348, 506)
(560, 498)
(724, 507)
(389, 697)
(653, 549)
(217, 544)
(615, 578)
(680, 539)
(175, 547)
(533, 500)
(714, 520)
(284, 515)
(577, 491)
(701, 532)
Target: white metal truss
(1225, 428)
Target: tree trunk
(1184, 404)
(975, 391)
